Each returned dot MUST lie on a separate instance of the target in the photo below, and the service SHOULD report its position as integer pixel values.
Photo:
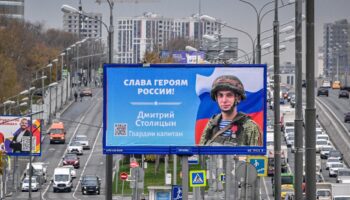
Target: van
(62, 180)
(57, 133)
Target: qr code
(120, 129)
(26, 143)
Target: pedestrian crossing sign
(260, 163)
(198, 178)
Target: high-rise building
(136, 35)
(89, 26)
(12, 9)
(336, 49)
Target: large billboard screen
(15, 132)
(184, 109)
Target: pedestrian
(75, 96)
(81, 96)
(230, 127)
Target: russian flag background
(253, 82)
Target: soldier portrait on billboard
(230, 127)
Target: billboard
(168, 109)
(185, 57)
(15, 134)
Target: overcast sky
(234, 12)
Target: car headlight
(64, 162)
(76, 162)
(84, 187)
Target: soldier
(230, 128)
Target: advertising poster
(173, 109)
(15, 132)
(185, 57)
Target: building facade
(336, 49)
(12, 9)
(152, 32)
(89, 26)
(223, 50)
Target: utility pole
(298, 122)
(277, 126)
(310, 112)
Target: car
(320, 143)
(86, 92)
(83, 140)
(347, 117)
(290, 140)
(343, 176)
(75, 147)
(73, 172)
(322, 137)
(90, 184)
(343, 94)
(322, 91)
(71, 159)
(292, 101)
(335, 154)
(330, 161)
(341, 197)
(324, 151)
(323, 194)
(35, 184)
(333, 169)
(336, 85)
(290, 95)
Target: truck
(324, 191)
(39, 170)
(340, 190)
(271, 160)
(57, 133)
(287, 185)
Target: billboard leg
(184, 160)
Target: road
(81, 118)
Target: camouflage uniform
(247, 133)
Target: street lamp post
(62, 58)
(109, 158)
(56, 80)
(50, 78)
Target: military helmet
(227, 82)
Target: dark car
(86, 92)
(343, 94)
(71, 159)
(347, 117)
(90, 184)
(322, 91)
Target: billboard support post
(184, 161)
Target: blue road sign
(222, 177)
(260, 163)
(198, 178)
(177, 192)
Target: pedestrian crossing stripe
(198, 178)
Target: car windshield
(55, 131)
(334, 154)
(80, 138)
(337, 165)
(287, 180)
(289, 130)
(321, 142)
(27, 180)
(325, 148)
(75, 144)
(61, 177)
(341, 198)
(71, 156)
(89, 182)
(333, 160)
(324, 193)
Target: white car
(324, 151)
(333, 169)
(343, 176)
(320, 143)
(73, 172)
(290, 141)
(83, 140)
(75, 147)
(288, 130)
(325, 194)
(330, 161)
(35, 184)
(322, 137)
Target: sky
(234, 12)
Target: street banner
(185, 57)
(165, 109)
(15, 132)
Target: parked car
(75, 147)
(322, 91)
(35, 184)
(71, 159)
(83, 140)
(90, 184)
(347, 117)
(343, 94)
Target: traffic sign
(260, 163)
(222, 177)
(193, 160)
(176, 192)
(198, 178)
(123, 176)
(134, 164)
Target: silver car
(83, 140)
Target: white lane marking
(87, 162)
(266, 190)
(75, 131)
